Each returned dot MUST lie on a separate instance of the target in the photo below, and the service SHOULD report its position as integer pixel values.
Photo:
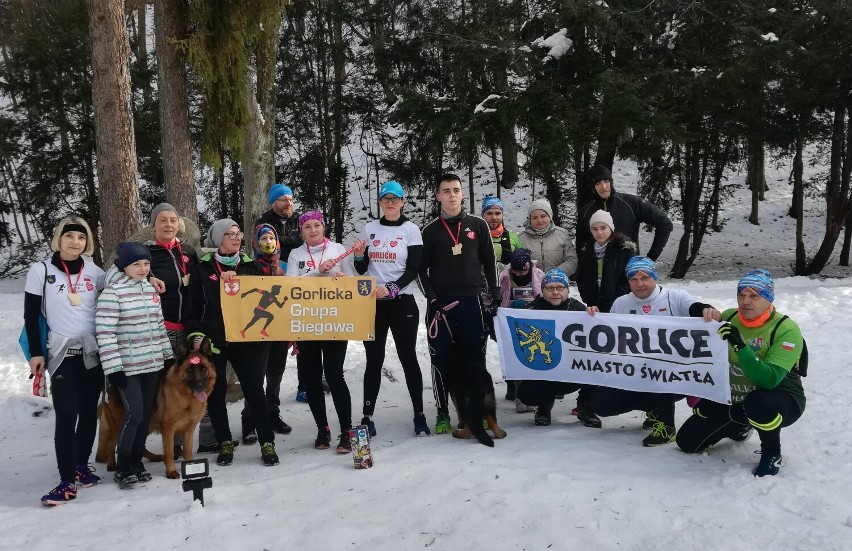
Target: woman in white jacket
(316, 257)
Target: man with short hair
(284, 218)
(649, 299)
(628, 212)
(457, 251)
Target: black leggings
(711, 422)
(249, 361)
(465, 328)
(138, 398)
(542, 393)
(607, 402)
(314, 359)
(274, 374)
(401, 316)
(75, 391)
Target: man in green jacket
(765, 349)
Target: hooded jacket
(269, 263)
(613, 281)
(628, 212)
(552, 247)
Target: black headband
(74, 227)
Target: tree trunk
(258, 150)
(174, 110)
(337, 172)
(755, 177)
(142, 50)
(114, 142)
(836, 196)
(798, 202)
(690, 199)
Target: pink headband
(311, 215)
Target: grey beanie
(540, 204)
(162, 207)
(217, 231)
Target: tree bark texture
(174, 110)
(114, 142)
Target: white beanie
(602, 217)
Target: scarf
(498, 232)
(759, 320)
(230, 261)
(600, 250)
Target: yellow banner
(280, 308)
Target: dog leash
(440, 316)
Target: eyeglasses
(234, 235)
(554, 288)
(392, 199)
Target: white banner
(631, 352)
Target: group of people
(126, 324)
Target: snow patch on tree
(558, 43)
(481, 107)
(769, 37)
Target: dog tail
(482, 436)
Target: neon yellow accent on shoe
(442, 423)
(660, 434)
(772, 425)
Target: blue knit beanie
(761, 281)
(129, 252)
(491, 201)
(641, 264)
(277, 191)
(555, 276)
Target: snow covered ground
(558, 487)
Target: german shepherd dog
(179, 404)
(473, 395)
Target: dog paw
(172, 474)
(499, 433)
(463, 434)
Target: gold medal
(457, 248)
(185, 279)
(74, 299)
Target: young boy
(134, 347)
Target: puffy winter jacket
(613, 282)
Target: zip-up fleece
(129, 328)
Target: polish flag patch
(788, 346)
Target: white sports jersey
(388, 251)
(301, 260)
(62, 317)
(662, 302)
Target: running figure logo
(261, 311)
(533, 342)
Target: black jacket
(628, 212)
(168, 265)
(569, 304)
(613, 277)
(443, 273)
(205, 312)
(289, 236)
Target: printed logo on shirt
(788, 346)
(185, 259)
(393, 243)
(301, 264)
(89, 285)
(214, 277)
(663, 309)
(372, 236)
(376, 242)
(470, 233)
(756, 343)
(646, 308)
(51, 279)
